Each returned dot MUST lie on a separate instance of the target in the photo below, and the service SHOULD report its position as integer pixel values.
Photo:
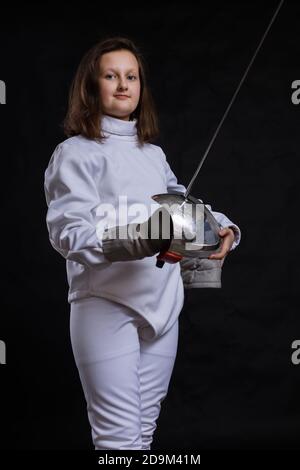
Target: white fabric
(124, 377)
(83, 173)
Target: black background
(234, 384)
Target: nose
(122, 85)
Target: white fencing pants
(124, 377)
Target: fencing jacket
(83, 175)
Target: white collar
(113, 125)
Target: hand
(136, 241)
(228, 237)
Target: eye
(133, 77)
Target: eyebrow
(114, 70)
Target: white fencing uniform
(81, 176)
(124, 377)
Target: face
(119, 74)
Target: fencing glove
(138, 240)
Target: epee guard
(194, 229)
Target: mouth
(121, 96)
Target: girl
(123, 309)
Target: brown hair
(84, 106)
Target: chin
(123, 115)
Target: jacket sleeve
(72, 199)
(173, 185)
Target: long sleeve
(173, 185)
(72, 199)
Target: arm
(173, 185)
(72, 197)
(225, 222)
(201, 272)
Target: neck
(119, 127)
